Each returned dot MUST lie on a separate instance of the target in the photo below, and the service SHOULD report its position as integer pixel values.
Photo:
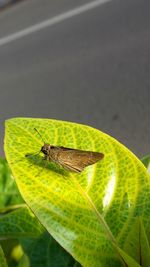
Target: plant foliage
(91, 214)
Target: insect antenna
(39, 135)
(36, 153)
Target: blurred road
(92, 68)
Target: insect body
(71, 159)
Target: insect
(70, 159)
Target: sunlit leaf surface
(87, 213)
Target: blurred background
(89, 63)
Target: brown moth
(71, 159)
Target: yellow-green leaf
(88, 213)
(145, 248)
(24, 262)
(130, 262)
(3, 262)
(137, 245)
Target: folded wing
(76, 160)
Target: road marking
(49, 22)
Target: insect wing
(76, 160)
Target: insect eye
(43, 149)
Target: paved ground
(92, 68)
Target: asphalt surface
(92, 68)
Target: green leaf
(3, 262)
(15, 226)
(90, 213)
(8, 247)
(144, 244)
(24, 262)
(41, 249)
(77, 264)
(9, 194)
(45, 251)
(19, 223)
(146, 162)
(9, 197)
(130, 262)
(137, 245)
